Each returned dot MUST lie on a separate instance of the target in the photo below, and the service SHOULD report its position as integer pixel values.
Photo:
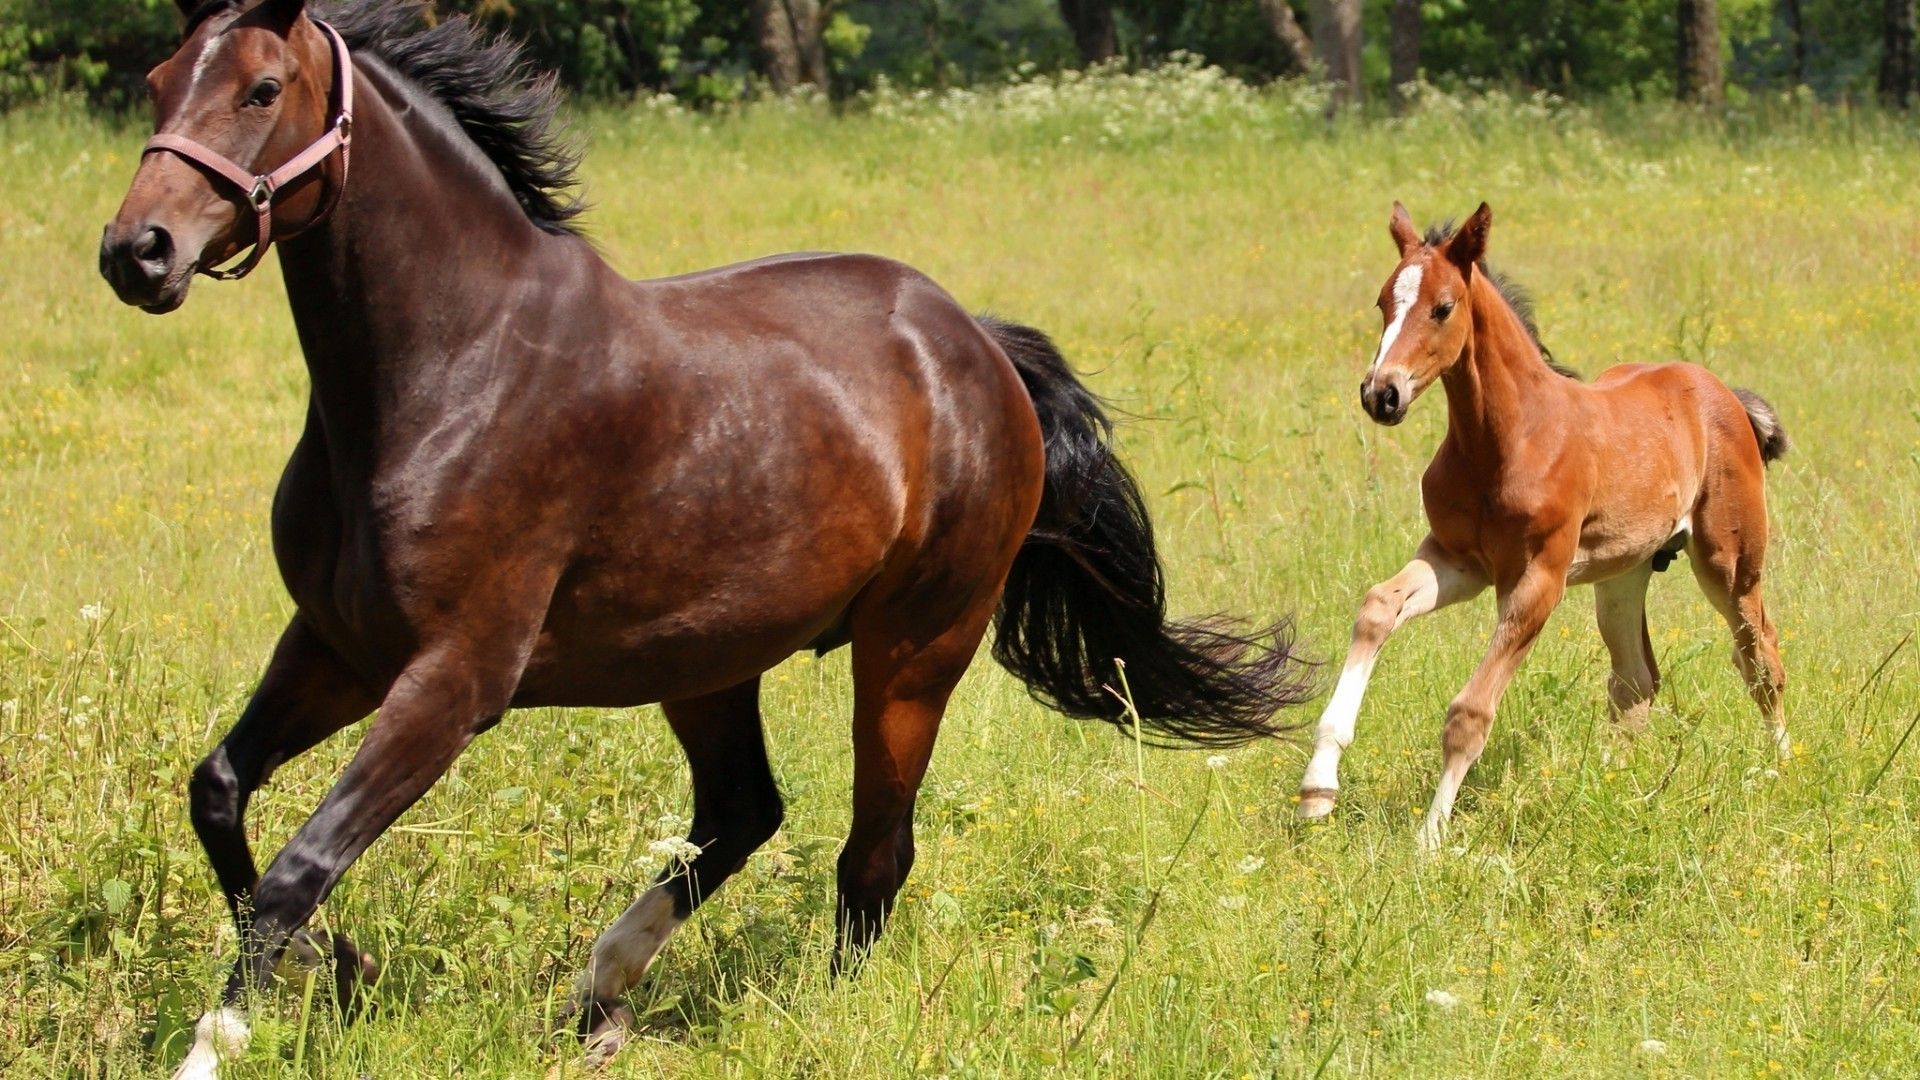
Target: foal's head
(251, 82)
(1427, 311)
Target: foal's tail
(1084, 613)
(1767, 429)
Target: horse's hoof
(604, 1025)
(1316, 803)
(354, 972)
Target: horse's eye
(264, 94)
(1441, 311)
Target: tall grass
(1210, 255)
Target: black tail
(1085, 596)
(1767, 429)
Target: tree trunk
(1797, 30)
(792, 49)
(1404, 49)
(1336, 41)
(1898, 79)
(1698, 76)
(1278, 15)
(1092, 24)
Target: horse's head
(249, 88)
(1427, 310)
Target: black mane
(485, 81)
(1514, 293)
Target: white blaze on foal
(1406, 289)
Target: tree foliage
(708, 51)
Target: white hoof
(1316, 804)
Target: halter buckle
(261, 197)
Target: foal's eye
(264, 94)
(1441, 311)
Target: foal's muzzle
(1385, 397)
(144, 266)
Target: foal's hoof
(604, 1024)
(1316, 803)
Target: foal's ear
(1469, 243)
(1400, 225)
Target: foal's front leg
(1524, 608)
(1431, 581)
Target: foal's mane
(484, 80)
(1514, 293)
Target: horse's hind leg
(305, 695)
(1429, 582)
(1620, 607)
(736, 808)
(1727, 558)
(901, 686)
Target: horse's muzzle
(1385, 398)
(144, 266)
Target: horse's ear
(280, 14)
(1469, 244)
(1400, 225)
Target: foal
(1544, 482)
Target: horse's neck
(1497, 383)
(406, 278)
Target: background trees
(718, 50)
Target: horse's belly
(625, 642)
(1608, 553)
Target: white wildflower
(1217, 761)
(1442, 1000)
(10, 708)
(669, 823)
(675, 848)
(1234, 902)
(1249, 864)
(1653, 1047)
(93, 612)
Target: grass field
(1211, 257)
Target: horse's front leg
(1524, 607)
(441, 699)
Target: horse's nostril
(153, 246)
(1389, 399)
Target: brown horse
(527, 481)
(1544, 482)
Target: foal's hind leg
(1429, 582)
(305, 695)
(736, 808)
(901, 688)
(1620, 606)
(1727, 563)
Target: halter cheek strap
(259, 190)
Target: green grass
(1211, 257)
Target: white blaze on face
(1406, 289)
(205, 60)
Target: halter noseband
(260, 190)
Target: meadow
(1209, 255)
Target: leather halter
(259, 190)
